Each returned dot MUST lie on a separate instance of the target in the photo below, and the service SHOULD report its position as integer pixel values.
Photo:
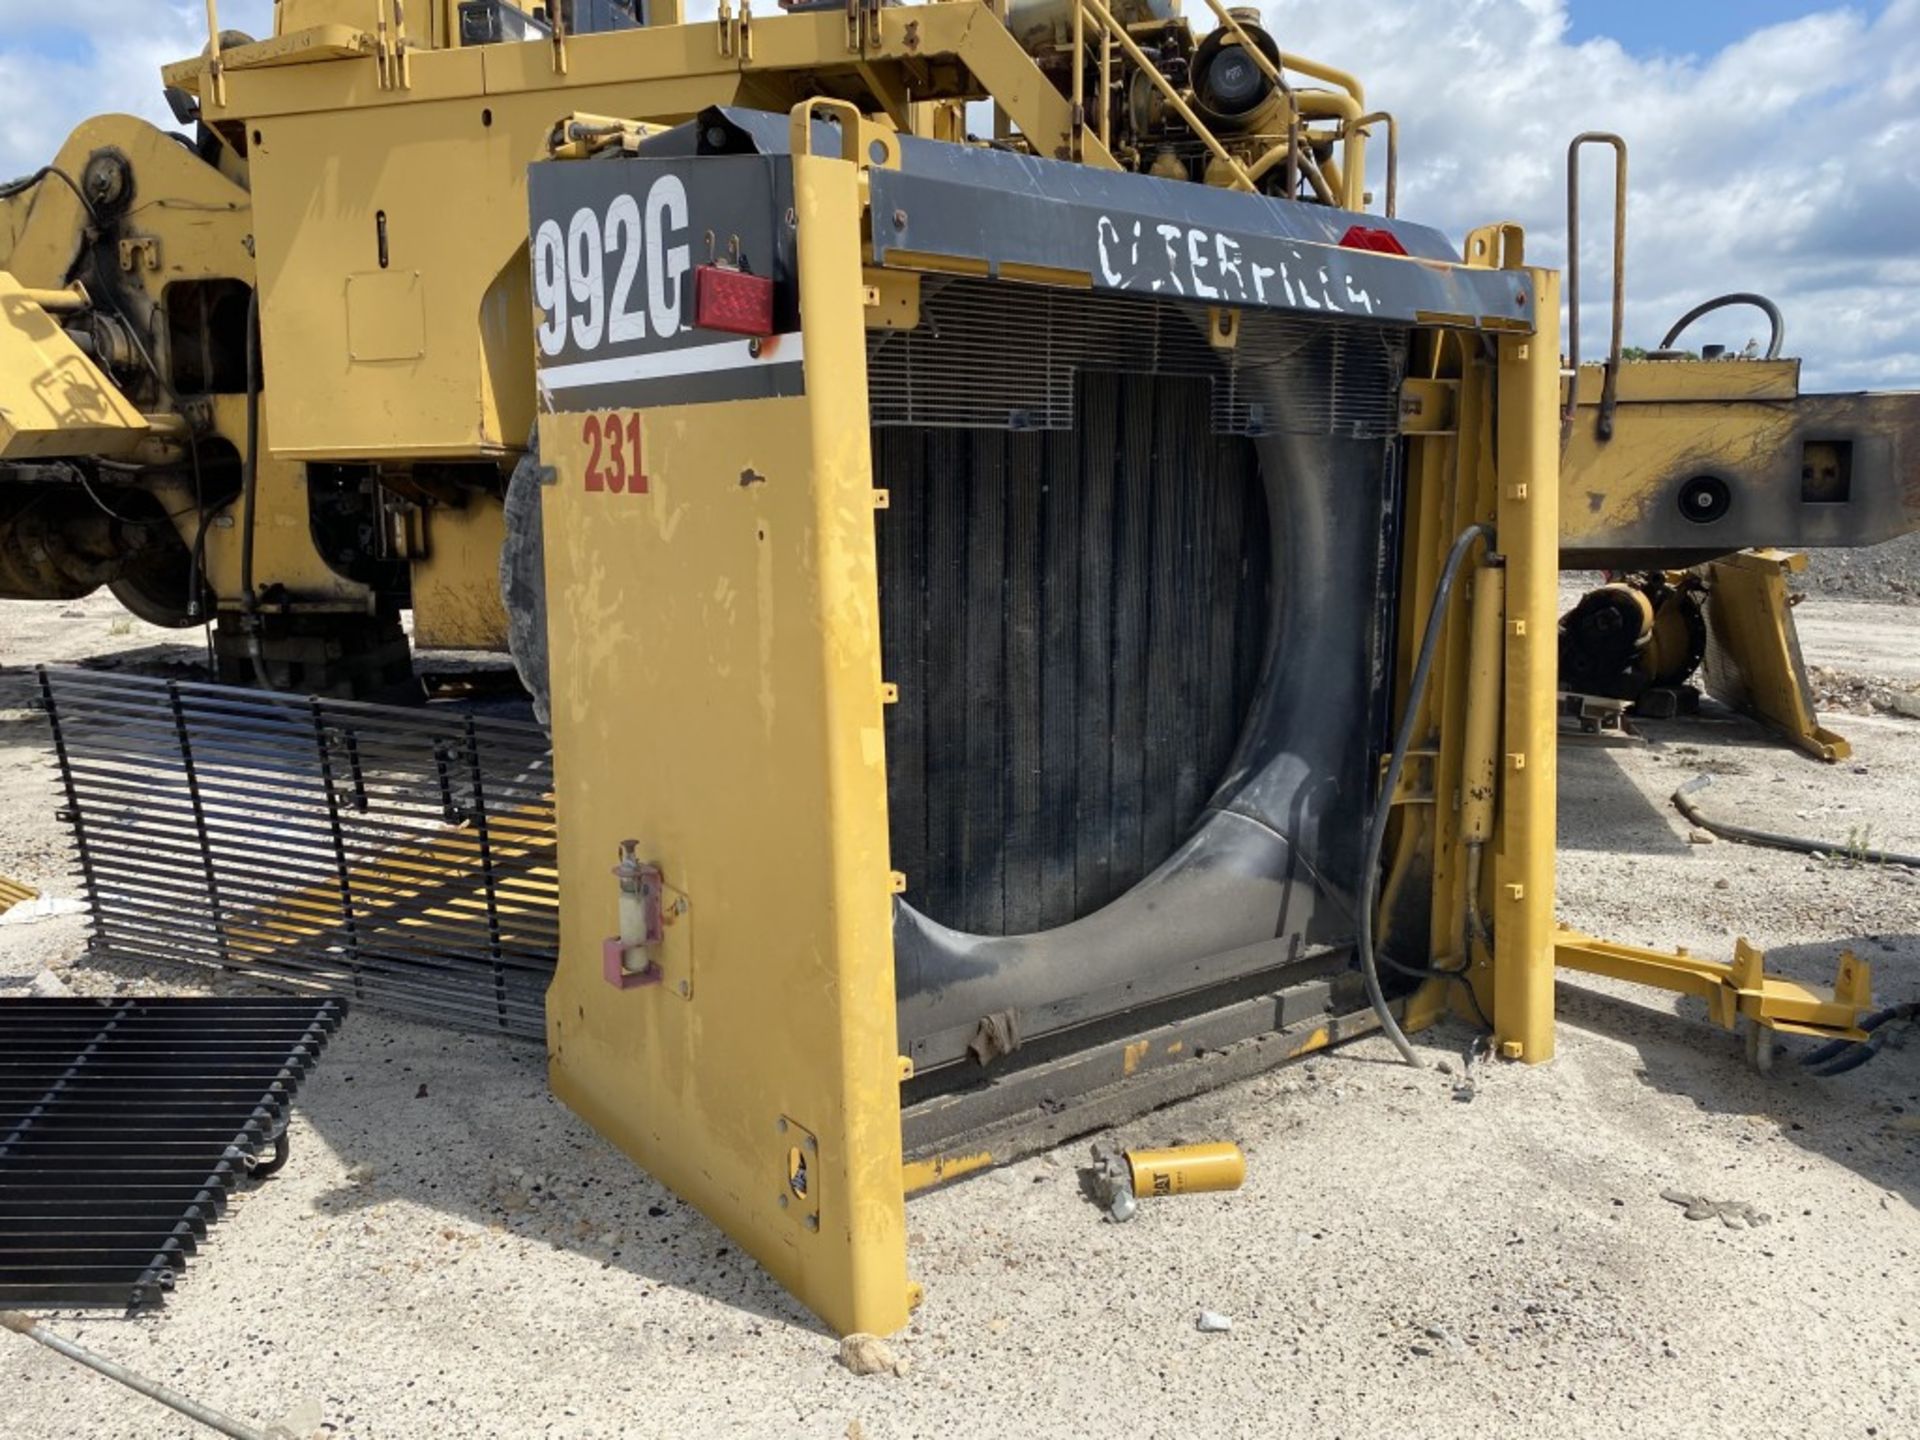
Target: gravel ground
(471, 1261)
(1889, 572)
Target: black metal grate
(124, 1126)
(398, 855)
(995, 356)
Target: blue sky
(1734, 109)
(1699, 28)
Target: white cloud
(1785, 164)
(42, 97)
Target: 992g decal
(571, 265)
(616, 248)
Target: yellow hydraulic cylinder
(1182, 1170)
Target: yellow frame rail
(1733, 991)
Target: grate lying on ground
(124, 1126)
(397, 855)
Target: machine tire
(155, 587)
(523, 579)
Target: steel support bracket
(1736, 990)
(1753, 660)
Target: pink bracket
(613, 960)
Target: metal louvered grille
(1006, 356)
(397, 855)
(125, 1124)
(1076, 622)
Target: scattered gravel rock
(870, 1355)
(1877, 572)
(1734, 1214)
(1850, 693)
(48, 986)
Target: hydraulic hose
(249, 488)
(1775, 339)
(1396, 761)
(1773, 839)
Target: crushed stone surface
(1888, 573)
(451, 1253)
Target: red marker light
(1364, 237)
(732, 300)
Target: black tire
(156, 585)
(523, 577)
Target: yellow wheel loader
(1043, 600)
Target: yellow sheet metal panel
(389, 330)
(372, 315)
(1528, 523)
(53, 400)
(1687, 381)
(196, 216)
(1606, 485)
(456, 584)
(1753, 660)
(716, 697)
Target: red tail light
(1381, 242)
(732, 300)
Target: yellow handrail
(214, 71)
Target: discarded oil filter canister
(1183, 1170)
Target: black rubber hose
(249, 487)
(1837, 1057)
(1383, 808)
(1773, 840)
(27, 182)
(1721, 302)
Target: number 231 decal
(615, 459)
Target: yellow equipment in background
(1711, 460)
(1031, 628)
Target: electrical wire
(17, 187)
(113, 514)
(1396, 761)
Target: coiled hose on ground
(1773, 839)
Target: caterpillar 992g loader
(1030, 628)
